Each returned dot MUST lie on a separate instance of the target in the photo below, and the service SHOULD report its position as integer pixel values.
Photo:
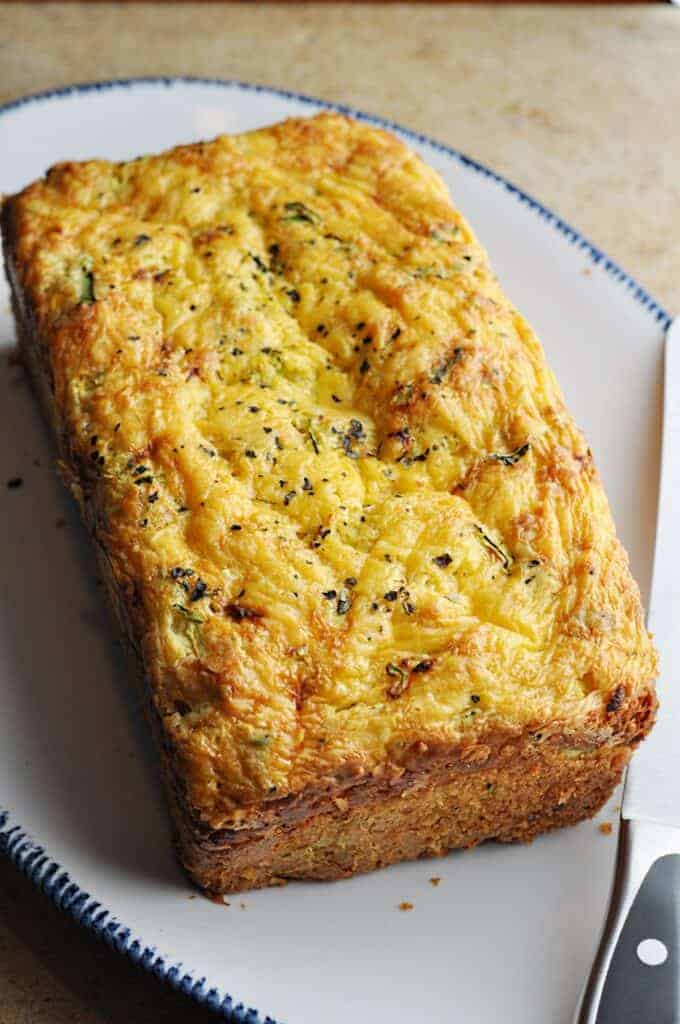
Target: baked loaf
(357, 546)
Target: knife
(635, 978)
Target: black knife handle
(626, 985)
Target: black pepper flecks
(199, 591)
(241, 613)
(616, 700)
(179, 573)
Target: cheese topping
(331, 471)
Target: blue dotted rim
(27, 854)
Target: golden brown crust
(436, 582)
(425, 816)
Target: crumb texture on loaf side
(529, 794)
(349, 519)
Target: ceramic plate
(508, 933)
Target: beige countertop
(577, 105)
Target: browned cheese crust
(359, 550)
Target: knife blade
(624, 985)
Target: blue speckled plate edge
(27, 854)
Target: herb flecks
(511, 458)
(439, 372)
(399, 679)
(355, 432)
(87, 293)
(403, 395)
(296, 211)
(188, 615)
(259, 262)
(313, 440)
(495, 548)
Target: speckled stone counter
(577, 105)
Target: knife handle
(624, 987)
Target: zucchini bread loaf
(358, 549)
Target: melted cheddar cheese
(334, 478)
